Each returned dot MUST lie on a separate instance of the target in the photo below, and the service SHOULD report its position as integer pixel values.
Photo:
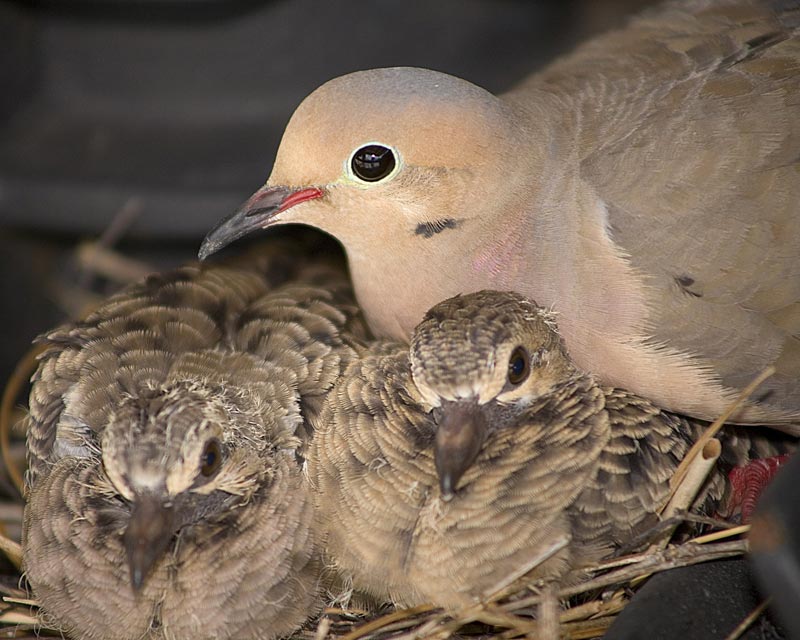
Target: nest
(584, 605)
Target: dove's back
(686, 129)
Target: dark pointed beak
(459, 438)
(257, 213)
(148, 535)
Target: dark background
(148, 121)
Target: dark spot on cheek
(685, 282)
(430, 229)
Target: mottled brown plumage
(441, 470)
(165, 489)
(645, 186)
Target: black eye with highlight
(211, 458)
(519, 366)
(373, 162)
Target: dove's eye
(211, 458)
(519, 366)
(373, 162)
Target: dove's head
(479, 360)
(191, 450)
(383, 152)
(405, 167)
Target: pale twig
(499, 590)
(482, 611)
(12, 549)
(400, 625)
(686, 491)
(721, 535)
(715, 426)
(17, 617)
(693, 479)
(549, 622)
(19, 377)
(594, 608)
(426, 630)
(95, 257)
(683, 555)
(745, 624)
(691, 474)
(378, 623)
(110, 264)
(494, 615)
(587, 629)
(323, 627)
(11, 512)
(23, 601)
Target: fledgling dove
(646, 187)
(165, 495)
(441, 470)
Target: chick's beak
(258, 212)
(147, 536)
(459, 438)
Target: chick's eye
(211, 458)
(519, 366)
(373, 162)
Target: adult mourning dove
(441, 470)
(165, 496)
(646, 187)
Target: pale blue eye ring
(373, 162)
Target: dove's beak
(148, 535)
(258, 212)
(459, 438)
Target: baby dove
(443, 469)
(165, 492)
